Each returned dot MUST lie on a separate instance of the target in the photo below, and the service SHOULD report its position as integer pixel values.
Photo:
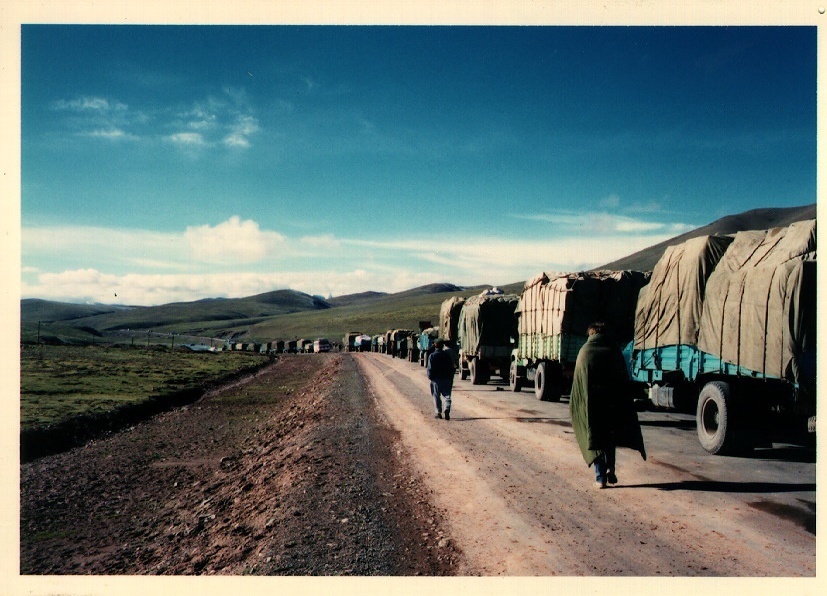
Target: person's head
(597, 327)
(439, 344)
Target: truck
(400, 342)
(425, 343)
(291, 346)
(486, 330)
(322, 345)
(449, 312)
(414, 352)
(349, 341)
(553, 316)
(726, 329)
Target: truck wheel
(547, 383)
(514, 380)
(478, 376)
(714, 418)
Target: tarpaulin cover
(760, 302)
(669, 307)
(555, 310)
(449, 317)
(487, 321)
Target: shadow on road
(728, 487)
(684, 424)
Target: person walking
(602, 410)
(441, 374)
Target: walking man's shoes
(612, 478)
(438, 415)
(600, 484)
(447, 414)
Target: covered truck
(449, 312)
(486, 331)
(425, 344)
(350, 341)
(553, 316)
(726, 328)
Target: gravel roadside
(289, 472)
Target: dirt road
(332, 464)
(519, 499)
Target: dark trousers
(605, 464)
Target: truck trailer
(486, 330)
(727, 329)
(553, 315)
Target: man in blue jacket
(441, 373)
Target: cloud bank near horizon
(238, 258)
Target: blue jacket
(440, 365)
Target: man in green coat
(602, 411)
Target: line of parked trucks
(723, 326)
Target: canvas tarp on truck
(669, 307)
(760, 303)
(555, 310)
(487, 324)
(449, 317)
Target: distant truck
(727, 328)
(322, 345)
(414, 353)
(487, 330)
(553, 316)
(399, 342)
(425, 344)
(291, 346)
(305, 346)
(350, 342)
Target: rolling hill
(757, 219)
(288, 314)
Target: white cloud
(95, 104)
(610, 202)
(237, 258)
(567, 223)
(189, 139)
(241, 129)
(234, 241)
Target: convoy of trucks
(723, 327)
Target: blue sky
(172, 163)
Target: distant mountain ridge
(756, 219)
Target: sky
(173, 163)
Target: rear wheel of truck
(714, 418)
(514, 380)
(478, 371)
(547, 382)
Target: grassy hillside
(34, 309)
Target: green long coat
(602, 411)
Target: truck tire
(514, 380)
(714, 418)
(479, 372)
(547, 383)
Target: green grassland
(60, 382)
(387, 312)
